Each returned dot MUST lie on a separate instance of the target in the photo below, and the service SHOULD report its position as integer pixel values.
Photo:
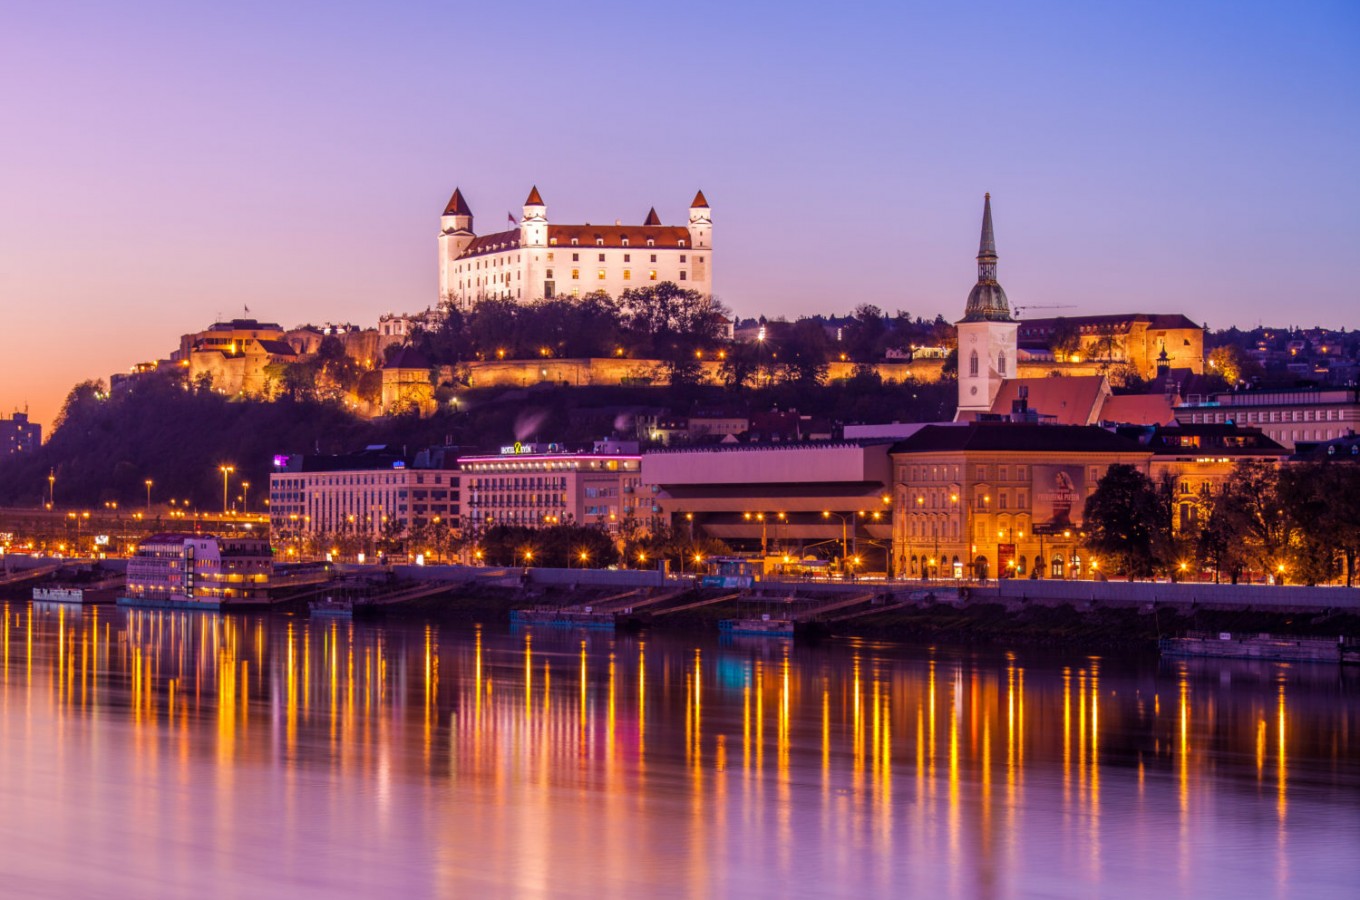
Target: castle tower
(533, 228)
(987, 333)
(455, 233)
(700, 224)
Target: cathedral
(536, 259)
(987, 333)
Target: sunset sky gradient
(164, 164)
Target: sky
(166, 164)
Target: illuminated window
(600, 275)
(575, 273)
(627, 274)
(651, 275)
(552, 242)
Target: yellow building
(972, 500)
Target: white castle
(538, 259)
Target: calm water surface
(177, 754)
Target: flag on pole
(511, 217)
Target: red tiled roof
(699, 201)
(1032, 329)
(652, 217)
(534, 198)
(457, 206)
(1070, 401)
(1139, 409)
(586, 236)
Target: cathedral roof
(652, 217)
(534, 198)
(457, 206)
(699, 201)
(987, 301)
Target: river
(160, 754)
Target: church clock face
(973, 390)
(972, 339)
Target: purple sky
(166, 163)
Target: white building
(535, 486)
(538, 259)
(364, 493)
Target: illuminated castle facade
(537, 259)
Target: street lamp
(226, 474)
(245, 498)
(149, 482)
(51, 488)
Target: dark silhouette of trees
(1128, 523)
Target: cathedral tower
(987, 333)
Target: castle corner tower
(987, 333)
(455, 234)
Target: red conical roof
(534, 198)
(457, 205)
(652, 218)
(699, 201)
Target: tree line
(1293, 523)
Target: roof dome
(987, 302)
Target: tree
(1065, 340)
(1251, 512)
(803, 353)
(1128, 522)
(1322, 500)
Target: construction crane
(1019, 309)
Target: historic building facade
(985, 498)
(538, 259)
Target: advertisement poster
(1059, 495)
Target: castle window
(624, 241)
(575, 242)
(682, 257)
(575, 273)
(601, 275)
(973, 364)
(679, 243)
(599, 241)
(576, 257)
(576, 292)
(627, 257)
(627, 274)
(653, 255)
(651, 275)
(682, 274)
(601, 257)
(651, 243)
(550, 273)
(552, 242)
(550, 257)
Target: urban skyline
(181, 166)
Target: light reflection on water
(156, 753)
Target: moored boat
(1283, 648)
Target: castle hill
(440, 456)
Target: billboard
(1059, 495)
